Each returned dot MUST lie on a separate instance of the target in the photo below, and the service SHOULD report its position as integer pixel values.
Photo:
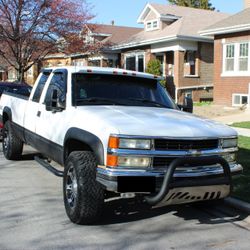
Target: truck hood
(152, 121)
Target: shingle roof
(117, 33)
(190, 22)
(241, 19)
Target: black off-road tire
(84, 199)
(12, 144)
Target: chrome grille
(169, 144)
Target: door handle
(38, 113)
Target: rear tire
(83, 195)
(12, 145)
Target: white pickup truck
(118, 133)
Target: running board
(46, 165)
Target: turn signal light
(112, 160)
(113, 142)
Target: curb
(242, 205)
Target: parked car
(16, 88)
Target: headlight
(230, 157)
(142, 162)
(124, 143)
(229, 143)
(134, 143)
(128, 161)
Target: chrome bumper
(211, 170)
(109, 177)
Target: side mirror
(56, 103)
(187, 105)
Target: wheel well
(5, 117)
(75, 145)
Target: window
(188, 94)
(57, 82)
(152, 25)
(130, 63)
(43, 79)
(236, 59)
(118, 89)
(243, 57)
(135, 62)
(149, 25)
(189, 67)
(230, 57)
(240, 99)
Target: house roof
(236, 23)
(187, 22)
(114, 34)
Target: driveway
(32, 216)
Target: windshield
(101, 89)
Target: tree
(200, 4)
(154, 67)
(31, 29)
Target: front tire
(83, 195)
(12, 145)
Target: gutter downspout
(248, 105)
(176, 94)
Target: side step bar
(46, 165)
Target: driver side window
(58, 82)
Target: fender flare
(87, 138)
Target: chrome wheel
(6, 139)
(71, 187)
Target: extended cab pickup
(118, 132)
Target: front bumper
(148, 181)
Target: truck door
(50, 122)
(34, 104)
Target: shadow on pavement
(128, 210)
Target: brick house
(106, 35)
(232, 59)
(171, 34)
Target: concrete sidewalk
(230, 119)
(243, 131)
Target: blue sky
(126, 12)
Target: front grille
(163, 162)
(168, 144)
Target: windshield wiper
(99, 100)
(148, 101)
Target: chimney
(113, 22)
(246, 4)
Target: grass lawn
(199, 104)
(242, 184)
(241, 124)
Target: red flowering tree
(31, 29)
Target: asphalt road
(32, 216)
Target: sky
(126, 12)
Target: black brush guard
(201, 161)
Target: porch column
(178, 71)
